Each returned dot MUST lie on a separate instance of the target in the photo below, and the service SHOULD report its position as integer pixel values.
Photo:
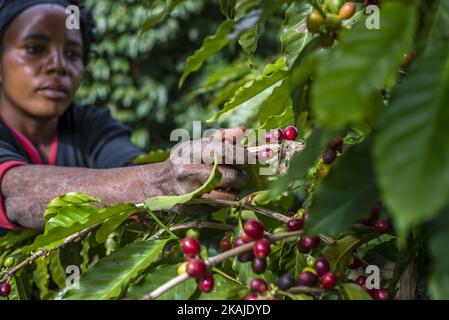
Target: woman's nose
(57, 62)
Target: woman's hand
(188, 170)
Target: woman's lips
(54, 94)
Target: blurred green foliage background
(136, 75)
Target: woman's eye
(35, 49)
(73, 54)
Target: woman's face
(41, 63)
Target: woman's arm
(28, 189)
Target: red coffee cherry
(206, 283)
(251, 296)
(361, 280)
(376, 210)
(337, 145)
(295, 224)
(258, 285)
(382, 226)
(290, 133)
(380, 294)
(190, 246)
(322, 266)
(238, 242)
(254, 228)
(347, 10)
(265, 154)
(5, 289)
(245, 237)
(308, 278)
(225, 243)
(306, 244)
(274, 136)
(195, 267)
(261, 248)
(355, 264)
(328, 280)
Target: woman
(50, 146)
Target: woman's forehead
(44, 19)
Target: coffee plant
(362, 211)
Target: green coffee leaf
(66, 200)
(110, 277)
(411, 154)
(211, 46)
(347, 194)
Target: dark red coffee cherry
(361, 280)
(337, 145)
(245, 237)
(261, 248)
(246, 256)
(355, 264)
(195, 267)
(328, 280)
(322, 266)
(286, 281)
(306, 244)
(274, 136)
(329, 156)
(5, 289)
(258, 285)
(190, 246)
(380, 294)
(251, 296)
(206, 283)
(259, 265)
(290, 133)
(225, 243)
(253, 228)
(295, 224)
(308, 278)
(238, 242)
(382, 226)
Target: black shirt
(86, 137)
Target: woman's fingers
(232, 135)
(231, 177)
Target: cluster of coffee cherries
(5, 288)
(335, 147)
(379, 225)
(194, 266)
(253, 230)
(305, 243)
(327, 21)
(376, 294)
(276, 136)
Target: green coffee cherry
(193, 233)
(333, 22)
(311, 261)
(334, 5)
(9, 262)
